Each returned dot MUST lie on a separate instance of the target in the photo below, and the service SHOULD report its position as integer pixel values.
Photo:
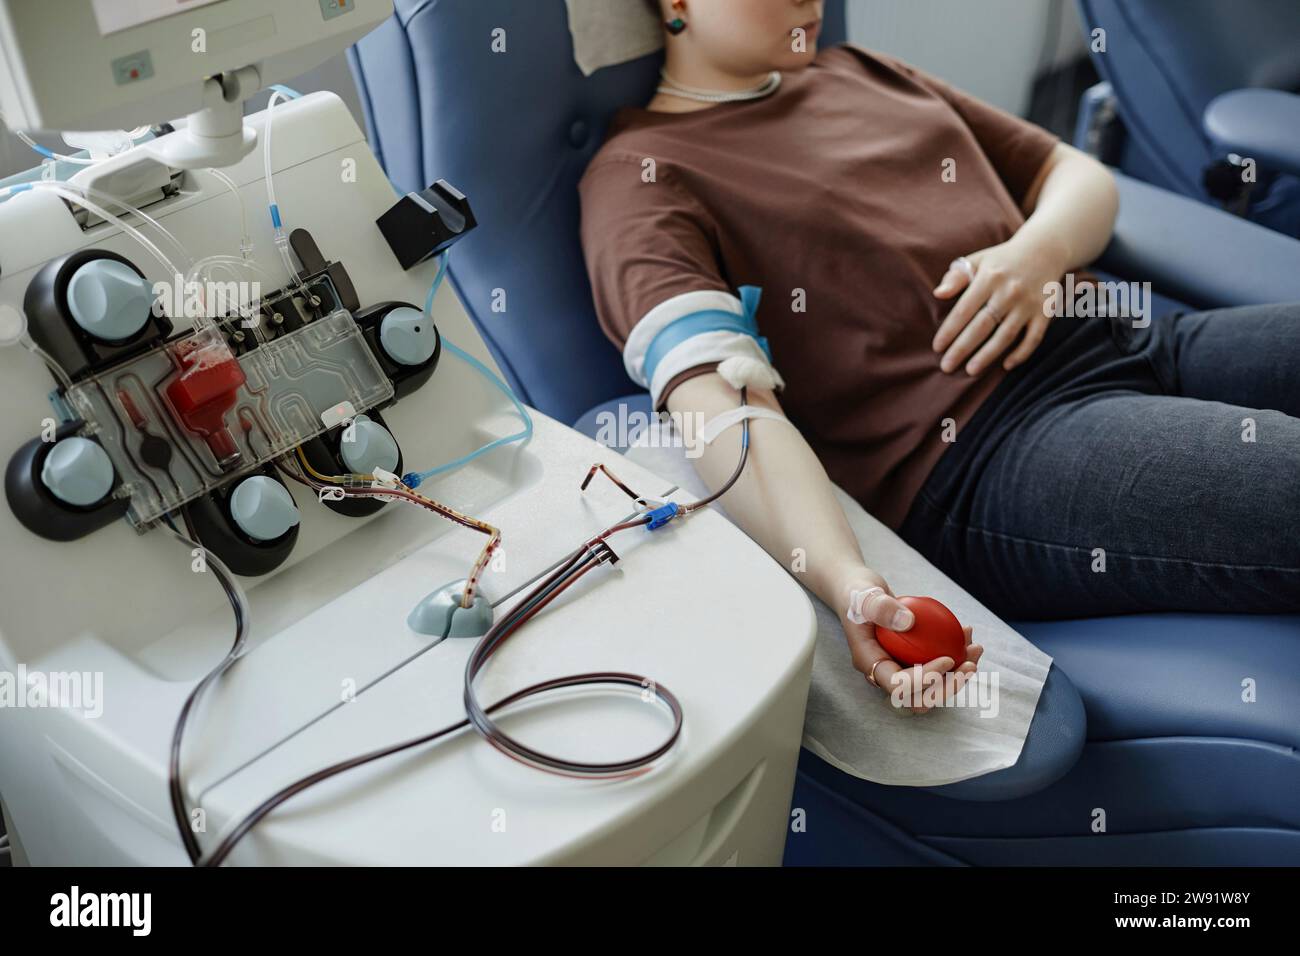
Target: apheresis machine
(288, 575)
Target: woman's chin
(791, 62)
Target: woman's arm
(1073, 202)
(1071, 211)
(784, 500)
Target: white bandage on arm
(701, 349)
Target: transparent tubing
(82, 200)
(415, 479)
(244, 261)
(55, 368)
(238, 268)
(107, 199)
(51, 154)
(81, 195)
(15, 333)
(266, 156)
(59, 189)
(245, 241)
(133, 135)
(281, 238)
(229, 264)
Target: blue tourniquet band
(707, 320)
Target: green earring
(676, 25)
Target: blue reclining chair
(1188, 83)
(1185, 771)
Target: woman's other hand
(1071, 207)
(867, 602)
(1005, 302)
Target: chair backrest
(486, 94)
(1167, 59)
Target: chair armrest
(1099, 131)
(1198, 254)
(1263, 125)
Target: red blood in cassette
(205, 391)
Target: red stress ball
(935, 633)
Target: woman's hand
(1003, 302)
(910, 683)
(865, 595)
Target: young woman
(906, 237)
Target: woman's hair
(654, 7)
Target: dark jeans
(1124, 470)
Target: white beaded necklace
(766, 88)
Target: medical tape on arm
(733, 416)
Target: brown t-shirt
(844, 196)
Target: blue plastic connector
(661, 516)
(412, 479)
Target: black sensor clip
(424, 224)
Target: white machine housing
(69, 64)
(696, 606)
